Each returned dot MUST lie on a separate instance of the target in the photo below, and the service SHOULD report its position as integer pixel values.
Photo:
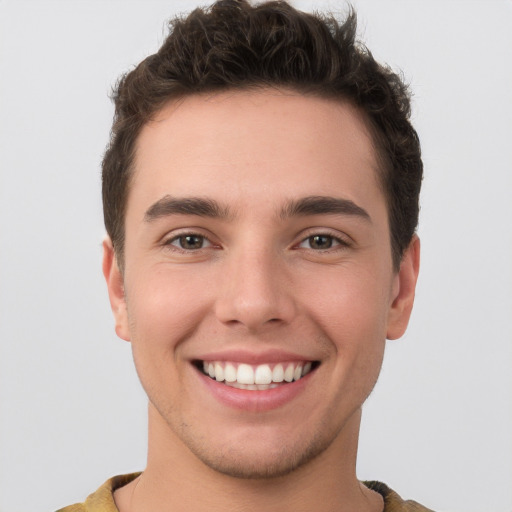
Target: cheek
(164, 308)
(353, 319)
(353, 303)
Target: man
(260, 195)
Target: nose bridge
(254, 292)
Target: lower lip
(255, 400)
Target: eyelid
(206, 242)
(169, 238)
(342, 239)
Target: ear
(115, 287)
(404, 287)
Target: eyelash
(336, 243)
(180, 237)
(339, 243)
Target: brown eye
(320, 242)
(323, 242)
(190, 242)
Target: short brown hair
(233, 45)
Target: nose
(255, 291)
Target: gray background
(438, 427)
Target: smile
(256, 377)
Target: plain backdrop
(438, 427)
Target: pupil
(320, 242)
(191, 242)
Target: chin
(261, 462)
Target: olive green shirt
(103, 499)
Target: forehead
(243, 144)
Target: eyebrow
(323, 205)
(204, 207)
(199, 206)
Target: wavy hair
(234, 45)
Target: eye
(189, 242)
(321, 242)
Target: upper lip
(244, 356)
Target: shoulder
(77, 507)
(102, 500)
(392, 501)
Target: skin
(256, 282)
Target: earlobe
(404, 290)
(115, 286)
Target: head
(260, 191)
(234, 46)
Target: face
(258, 287)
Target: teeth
(259, 387)
(245, 374)
(260, 377)
(288, 373)
(263, 374)
(278, 373)
(219, 372)
(229, 373)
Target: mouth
(259, 377)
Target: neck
(175, 480)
